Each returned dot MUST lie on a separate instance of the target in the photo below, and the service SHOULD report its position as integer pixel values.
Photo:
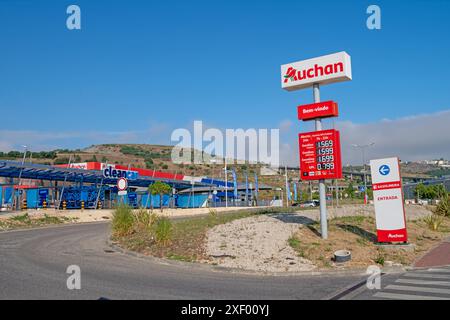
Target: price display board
(320, 155)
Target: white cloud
(285, 125)
(411, 138)
(39, 140)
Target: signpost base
(410, 247)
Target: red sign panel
(318, 110)
(320, 155)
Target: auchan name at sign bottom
(389, 215)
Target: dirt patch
(256, 243)
(274, 241)
(358, 234)
(413, 211)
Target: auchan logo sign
(326, 69)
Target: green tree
(350, 191)
(430, 191)
(159, 188)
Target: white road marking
(424, 282)
(430, 276)
(400, 296)
(418, 289)
(437, 270)
(445, 270)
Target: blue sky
(139, 69)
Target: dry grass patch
(358, 234)
(25, 221)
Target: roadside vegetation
(151, 234)
(24, 221)
(435, 220)
(178, 239)
(159, 188)
(358, 234)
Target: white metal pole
(17, 200)
(322, 195)
(365, 180)
(336, 192)
(286, 186)
(226, 185)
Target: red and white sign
(388, 200)
(331, 68)
(82, 165)
(122, 184)
(320, 155)
(318, 110)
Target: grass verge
(186, 239)
(25, 221)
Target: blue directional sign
(384, 170)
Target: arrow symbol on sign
(384, 170)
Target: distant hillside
(158, 157)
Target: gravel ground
(256, 243)
(260, 243)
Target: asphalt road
(33, 265)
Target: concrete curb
(212, 268)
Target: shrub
(122, 221)
(380, 260)
(143, 220)
(163, 231)
(212, 213)
(443, 207)
(434, 221)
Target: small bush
(294, 242)
(443, 207)
(380, 260)
(143, 220)
(212, 213)
(122, 222)
(434, 221)
(163, 231)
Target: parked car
(308, 204)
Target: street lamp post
(226, 184)
(363, 148)
(19, 198)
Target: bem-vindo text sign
(320, 155)
(317, 110)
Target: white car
(308, 204)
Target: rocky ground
(256, 243)
(260, 243)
